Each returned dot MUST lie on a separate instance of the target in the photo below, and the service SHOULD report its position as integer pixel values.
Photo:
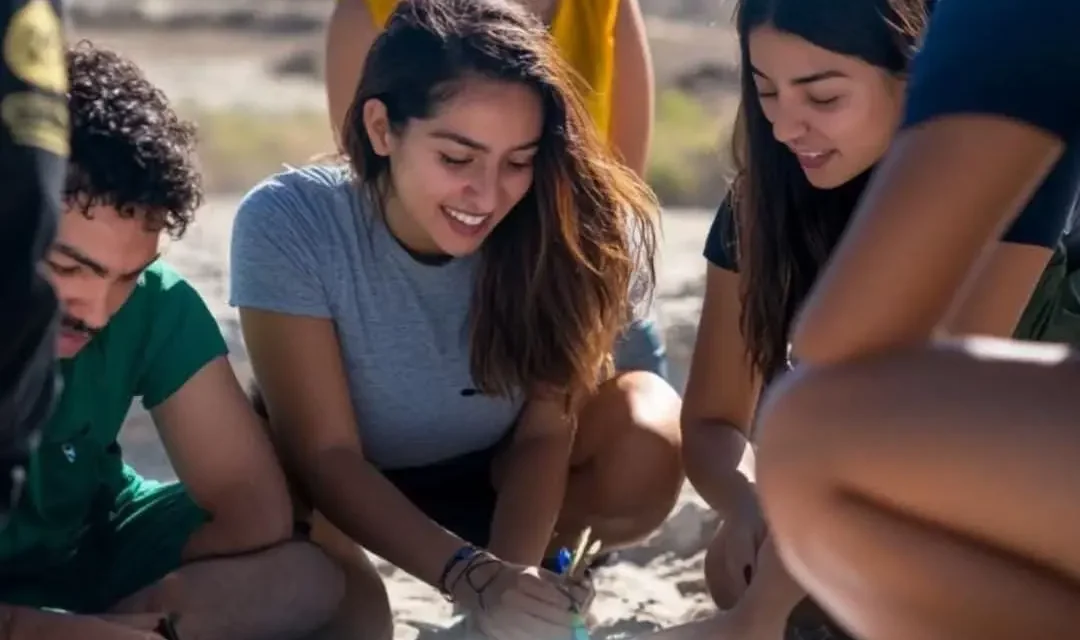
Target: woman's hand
(507, 601)
(733, 554)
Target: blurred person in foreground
(916, 487)
(92, 550)
(34, 147)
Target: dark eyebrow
(473, 144)
(810, 79)
(99, 269)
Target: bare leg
(626, 464)
(282, 593)
(931, 494)
(364, 613)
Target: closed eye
(62, 269)
(454, 162)
(521, 164)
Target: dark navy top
(1015, 58)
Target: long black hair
(785, 228)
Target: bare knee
(364, 611)
(796, 449)
(323, 581)
(629, 450)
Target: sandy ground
(654, 585)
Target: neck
(408, 234)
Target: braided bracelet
(465, 553)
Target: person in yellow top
(604, 40)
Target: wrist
(740, 498)
(469, 578)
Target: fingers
(582, 592)
(560, 614)
(545, 587)
(141, 621)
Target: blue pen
(563, 561)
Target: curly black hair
(129, 148)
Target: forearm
(242, 522)
(359, 500)
(24, 623)
(349, 36)
(631, 138)
(531, 495)
(712, 452)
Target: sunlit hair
(784, 228)
(552, 292)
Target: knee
(651, 405)
(365, 610)
(640, 449)
(323, 591)
(800, 427)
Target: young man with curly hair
(92, 550)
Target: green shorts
(128, 547)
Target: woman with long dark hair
(823, 87)
(605, 43)
(922, 488)
(432, 326)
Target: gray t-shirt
(308, 242)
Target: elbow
(711, 446)
(258, 518)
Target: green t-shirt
(162, 336)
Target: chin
(829, 180)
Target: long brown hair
(785, 227)
(552, 292)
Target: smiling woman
(432, 326)
(823, 91)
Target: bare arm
(297, 361)
(532, 489)
(937, 202)
(633, 88)
(721, 392)
(999, 293)
(349, 36)
(223, 455)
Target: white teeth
(465, 218)
(813, 156)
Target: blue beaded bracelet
(463, 554)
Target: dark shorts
(457, 493)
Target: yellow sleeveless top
(584, 31)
